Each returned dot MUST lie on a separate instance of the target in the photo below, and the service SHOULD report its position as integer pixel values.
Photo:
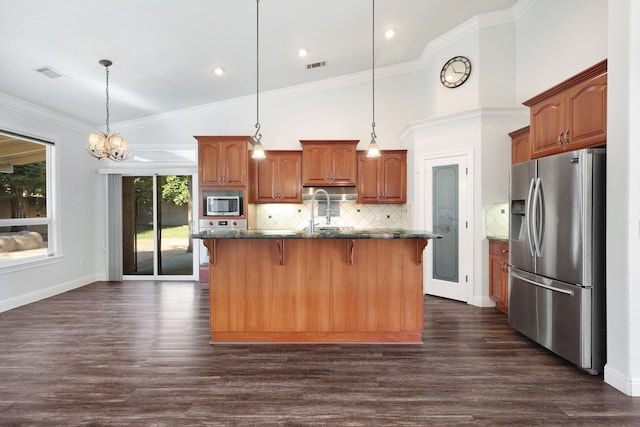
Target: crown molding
(465, 29)
(473, 115)
(521, 7)
(40, 113)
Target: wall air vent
(316, 65)
(49, 72)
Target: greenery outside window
(26, 209)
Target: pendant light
(258, 150)
(108, 145)
(373, 150)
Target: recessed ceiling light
(303, 51)
(389, 33)
(218, 71)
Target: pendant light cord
(257, 136)
(373, 69)
(107, 90)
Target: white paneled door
(447, 201)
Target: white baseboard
(629, 386)
(41, 294)
(481, 301)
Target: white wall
(557, 39)
(623, 198)
(79, 209)
(332, 109)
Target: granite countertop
(372, 233)
(504, 239)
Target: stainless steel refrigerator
(557, 254)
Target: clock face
(455, 72)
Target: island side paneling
(315, 290)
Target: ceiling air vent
(316, 65)
(49, 72)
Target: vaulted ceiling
(164, 52)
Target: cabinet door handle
(504, 251)
(560, 138)
(566, 136)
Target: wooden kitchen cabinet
(329, 163)
(499, 274)
(223, 161)
(277, 178)
(382, 179)
(571, 115)
(520, 148)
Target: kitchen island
(329, 286)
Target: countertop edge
(294, 234)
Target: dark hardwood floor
(138, 353)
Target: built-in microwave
(223, 206)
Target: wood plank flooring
(138, 353)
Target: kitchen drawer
(499, 248)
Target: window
(26, 230)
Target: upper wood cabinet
(520, 148)
(223, 161)
(329, 163)
(499, 274)
(382, 179)
(277, 178)
(570, 115)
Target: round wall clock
(455, 71)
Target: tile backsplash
(295, 216)
(497, 220)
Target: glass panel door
(156, 221)
(447, 197)
(445, 222)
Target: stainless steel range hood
(335, 193)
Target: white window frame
(50, 220)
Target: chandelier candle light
(108, 145)
(258, 150)
(373, 150)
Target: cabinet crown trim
(329, 141)
(589, 73)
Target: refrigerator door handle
(541, 285)
(540, 218)
(534, 218)
(528, 218)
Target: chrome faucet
(312, 219)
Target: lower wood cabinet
(499, 274)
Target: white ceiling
(164, 51)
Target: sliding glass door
(156, 223)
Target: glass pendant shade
(258, 150)
(373, 150)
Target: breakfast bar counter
(329, 286)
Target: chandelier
(373, 150)
(108, 145)
(258, 150)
